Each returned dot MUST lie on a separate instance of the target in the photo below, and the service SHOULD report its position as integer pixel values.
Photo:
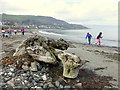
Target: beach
(102, 60)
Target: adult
(3, 33)
(22, 30)
(99, 38)
(89, 36)
(10, 32)
(15, 31)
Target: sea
(109, 34)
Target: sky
(85, 12)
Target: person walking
(99, 38)
(22, 30)
(89, 36)
(10, 32)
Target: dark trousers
(89, 40)
(22, 33)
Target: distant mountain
(38, 21)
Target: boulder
(71, 64)
(50, 51)
(37, 48)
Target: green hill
(38, 21)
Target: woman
(3, 33)
(99, 38)
(22, 30)
(10, 32)
(15, 31)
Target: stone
(11, 82)
(44, 77)
(7, 79)
(38, 48)
(66, 86)
(71, 64)
(57, 83)
(79, 85)
(33, 66)
(45, 85)
(36, 80)
(61, 86)
(51, 85)
(10, 73)
(11, 69)
(1, 73)
(25, 66)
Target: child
(99, 38)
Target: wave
(50, 33)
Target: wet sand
(102, 60)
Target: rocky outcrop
(49, 51)
(42, 49)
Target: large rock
(49, 51)
(39, 48)
(71, 64)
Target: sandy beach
(102, 60)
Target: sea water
(109, 34)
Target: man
(89, 36)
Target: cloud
(73, 11)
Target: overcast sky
(86, 12)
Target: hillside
(38, 21)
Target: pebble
(79, 84)
(57, 83)
(44, 77)
(61, 86)
(78, 80)
(50, 85)
(45, 85)
(36, 80)
(66, 86)
(11, 69)
(28, 79)
(5, 74)
(1, 73)
(10, 73)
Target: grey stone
(79, 84)
(7, 79)
(45, 85)
(67, 87)
(36, 80)
(41, 84)
(51, 85)
(33, 66)
(57, 83)
(61, 86)
(11, 82)
(44, 77)
(39, 67)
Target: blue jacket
(88, 36)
